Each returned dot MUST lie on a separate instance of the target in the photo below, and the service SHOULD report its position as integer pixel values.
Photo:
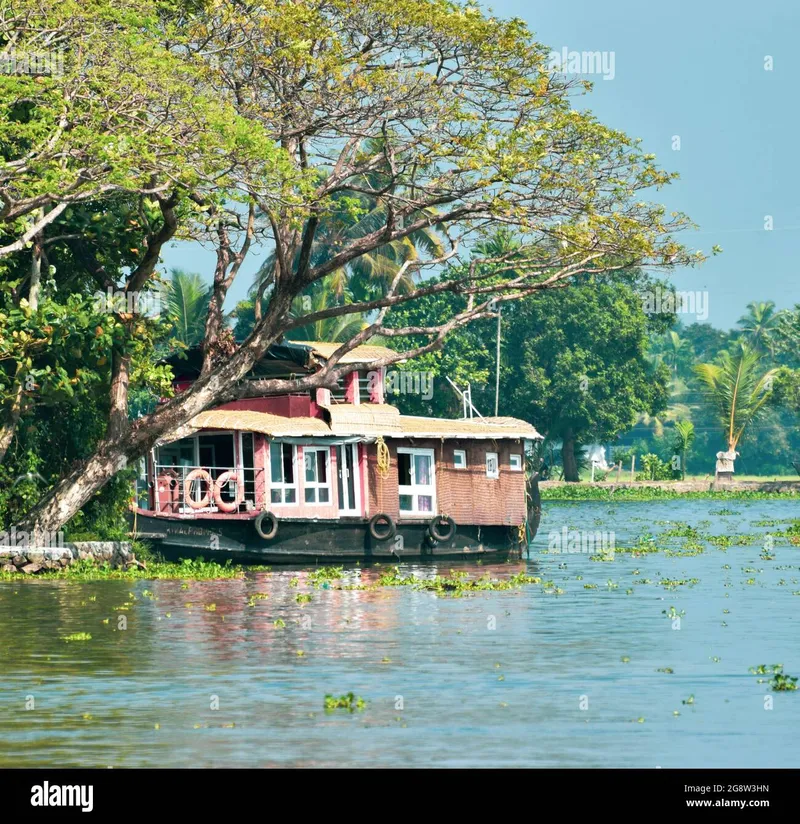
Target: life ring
(197, 475)
(271, 531)
(388, 531)
(226, 478)
(437, 533)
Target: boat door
(347, 478)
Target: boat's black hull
(320, 541)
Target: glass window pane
(424, 503)
(406, 503)
(422, 469)
(290, 496)
(404, 469)
(324, 495)
(311, 496)
(288, 464)
(311, 473)
(275, 463)
(275, 496)
(322, 467)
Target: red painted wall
(289, 406)
(466, 495)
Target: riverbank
(649, 490)
(30, 560)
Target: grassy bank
(187, 570)
(599, 492)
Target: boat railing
(186, 489)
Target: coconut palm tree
(675, 350)
(329, 329)
(682, 441)
(352, 215)
(738, 388)
(760, 324)
(187, 305)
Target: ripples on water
(470, 695)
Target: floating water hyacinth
(348, 702)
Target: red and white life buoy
(224, 479)
(188, 498)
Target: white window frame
(282, 485)
(317, 485)
(515, 457)
(415, 490)
(493, 474)
(355, 507)
(463, 454)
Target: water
(470, 695)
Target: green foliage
(576, 362)
(88, 570)
(654, 469)
(683, 438)
(739, 389)
(188, 296)
(572, 492)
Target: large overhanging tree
(473, 134)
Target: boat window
(317, 483)
(516, 463)
(459, 459)
(416, 481)
(403, 468)
(492, 465)
(283, 487)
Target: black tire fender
(382, 527)
(272, 526)
(442, 528)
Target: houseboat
(334, 475)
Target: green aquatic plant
(88, 570)
(349, 702)
(678, 582)
(766, 669)
(323, 575)
(457, 583)
(725, 541)
(682, 531)
(783, 683)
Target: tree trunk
(9, 426)
(568, 457)
(36, 273)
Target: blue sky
(694, 70)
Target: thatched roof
(361, 354)
(267, 424)
(471, 428)
(362, 420)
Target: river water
(564, 673)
